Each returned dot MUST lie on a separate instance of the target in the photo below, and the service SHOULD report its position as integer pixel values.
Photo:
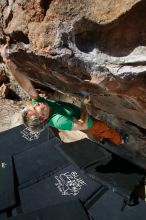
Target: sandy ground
(70, 136)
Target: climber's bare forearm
(20, 77)
(84, 114)
(82, 122)
(22, 80)
(79, 125)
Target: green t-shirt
(62, 114)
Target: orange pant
(100, 130)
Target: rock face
(85, 47)
(10, 114)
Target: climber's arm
(22, 80)
(20, 77)
(82, 123)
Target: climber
(66, 116)
(61, 115)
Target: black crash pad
(7, 194)
(63, 186)
(72, 210)
(18, 139)
(111, 170)
(110, 206)
(3, 216)
(38, 162)
(118, 174)
(84, 153)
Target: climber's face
(40, 109)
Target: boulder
(85, 47)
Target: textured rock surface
(60, 43)
(10, 114)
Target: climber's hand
(4, 51)
(86, 100)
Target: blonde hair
(33, 122)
